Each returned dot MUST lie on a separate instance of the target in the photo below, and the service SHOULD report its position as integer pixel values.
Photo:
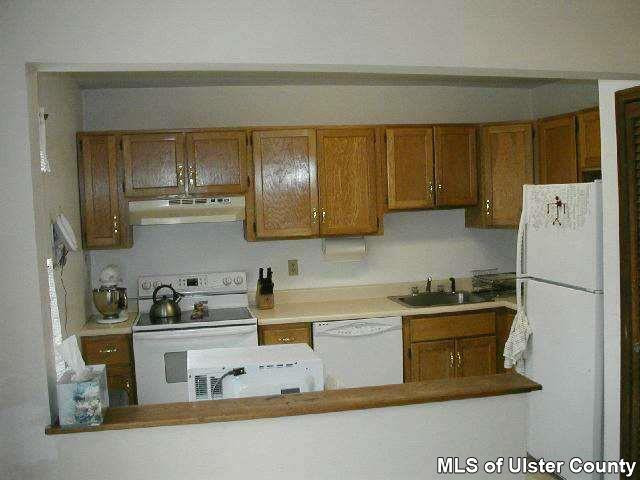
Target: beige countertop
(341, 303)
(361, 308)
(93, 328)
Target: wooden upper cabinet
(455, 166)
(286, 194)
(506, 164)
(432, 360)
(557, 150)
(410, 168)
(154, 164)
(589, 139)
(217, 162)
(475, 356)
(100, 194)
(347, 181)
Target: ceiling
(100, 80)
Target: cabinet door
(456, 166)
(476, 356)
(347, 181)
(557, 150)
(122, 378)
(286, 194)
(99, 192)
(410, 168)
(432, 360)
(153, 164)
(589, 139)
(507, 164)
(217, 162)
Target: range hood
(186, 210)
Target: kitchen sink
(434, 299)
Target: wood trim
(190, 413)
(629, 285)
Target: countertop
(307, 403)
(93, 328)
(362, 308)
(321, 311)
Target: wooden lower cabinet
(447, 346)
(285, 333)
(433, 360)
(475, 356)
(116, 352)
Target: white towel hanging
(516, 345)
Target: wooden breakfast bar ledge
(307, 403)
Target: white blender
(109, 299)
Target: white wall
(609, 157)
(391, 443)
(190, 107)
(61, 99)
(413, 244)
(590, 39)
(563, 97)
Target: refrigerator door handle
(521, 250)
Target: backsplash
(414, 244)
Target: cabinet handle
(430, 188)
(192, 176)
(115, 225)
(324, 216)
(285, 339)
(459, 359)
(180, 175)
(451, 359)
(439, 186)
(127, 386)
(314, 214)
(488, 207)
(109, 350)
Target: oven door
(161, 358)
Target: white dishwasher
(360, 353)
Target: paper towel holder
(344, 249)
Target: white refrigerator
(559, 270)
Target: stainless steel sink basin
(434, 299)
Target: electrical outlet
(293, 268)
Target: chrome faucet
(428, 286)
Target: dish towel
(516, 344)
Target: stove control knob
(238, 280)
(146, 285)
(226, 281)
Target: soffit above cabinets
(101, 80)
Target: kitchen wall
(414, 243)
(609, 155)
(61, 99)
(470, 37)
(563, 97)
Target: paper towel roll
(344, 249)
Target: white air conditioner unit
(219, 373)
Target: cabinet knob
(115, 225)
(108, 349)
(451, 359)
(192, 175)
(430, 189)
(314, 214)
(459, 360)
(488, 207)
(285, 339)
(127, 385)
(324, 216)
(180, 175)
(439, 186)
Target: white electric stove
(160, 345)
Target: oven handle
(195, 333)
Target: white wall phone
(64, 239)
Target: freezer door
(360, 353)
(566, 358)
(568, 251)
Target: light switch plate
(293, 267)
